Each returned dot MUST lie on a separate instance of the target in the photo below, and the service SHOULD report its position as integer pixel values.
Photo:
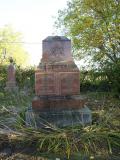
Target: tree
(93, 26)
(10, 46)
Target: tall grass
(101, 138)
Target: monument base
(63, 118)
(11, 86)
(58, 111)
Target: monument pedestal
(48, 103)
(60, 111)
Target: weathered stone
(57, 83)
(56, 49)
(57, 103)
(60, 118)
(57, 73)
(11, 80)
(57, 87)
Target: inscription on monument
(57, 51)
(45, 84)
(69, 83)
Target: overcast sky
(33, 18)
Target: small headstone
(11, 79)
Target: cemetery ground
(99, 140)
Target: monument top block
(56, 38)
(56, 49)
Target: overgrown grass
(99, 140)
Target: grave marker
(57, 86)
(11, 79)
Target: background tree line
(94, 28)
(11, 46)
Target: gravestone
(11, 80)
(57, 86)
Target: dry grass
(101, 139)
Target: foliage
(10, 46)
(105, 80)
(25, 77)
(93, 26)
(93, 81)
(12, 104)
(112, 71)
(3, 76)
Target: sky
(34, 19)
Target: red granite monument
(57, 82)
